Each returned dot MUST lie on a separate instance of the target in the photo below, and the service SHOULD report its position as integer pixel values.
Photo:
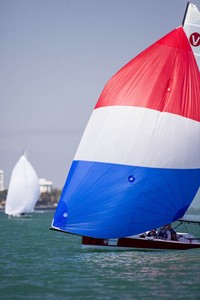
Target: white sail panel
(192, 28)
(115, 134)
(193, 213)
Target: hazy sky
(55, 58)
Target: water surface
(37, 263)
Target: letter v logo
(195, 39)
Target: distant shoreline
(37, 208)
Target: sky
(55, 58)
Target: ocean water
(38, 263)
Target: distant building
(1, 181)
(45, 185)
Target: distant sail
(23, 191)
(138, 165)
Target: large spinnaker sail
(138, 166)
(23, 191)
(191, 24)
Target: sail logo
(195, 39)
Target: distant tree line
(46, 199)
(49, 199)
(3, 195)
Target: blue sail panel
(132, 199)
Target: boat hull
(136, 243)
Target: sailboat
(137, 166)
(23, 191)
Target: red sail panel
(164, 77)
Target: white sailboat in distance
(24, 190)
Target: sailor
(152, 233)
(164, 233)
(174, 236)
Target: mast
(183, 22)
